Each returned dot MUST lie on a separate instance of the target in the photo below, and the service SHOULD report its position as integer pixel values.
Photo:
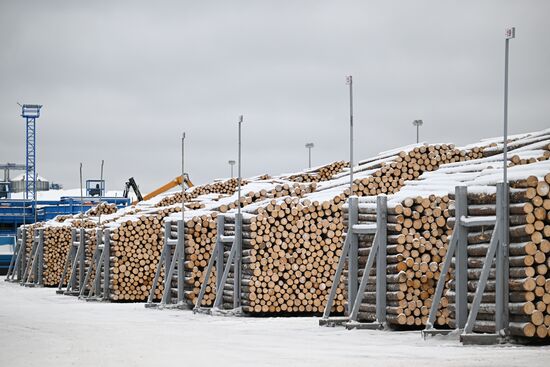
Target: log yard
(183, 220)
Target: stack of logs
(391, 177)
(136, 245)
(227, 187)
(280, 190)
(102, 208)
(57, 241)
(290, 255)
(417, 242)
(299, 243)
(200, 239)
(324, 173)
(529, 251)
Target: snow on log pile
(418, 232)
(318, 174)
(292, 246)
(201, 229)
(417, 241)
(529, 251)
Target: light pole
(509, 34)
(349, 81)
(418, 123)
(231, 163)
(309, 146)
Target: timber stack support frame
(234, 261)
(99, 291)
(94, 265)
(457, 250)
(33, 275)
(76, 283)
(172, 256)
(350, 255)
(499, 251)
(17, 263)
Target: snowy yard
(40, 328)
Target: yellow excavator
(131, 184)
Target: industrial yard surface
(42, 329)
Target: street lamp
(309, 146)
(417, 123)
(231, 163)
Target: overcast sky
(121, 81)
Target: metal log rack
(96, 285)
(100, 282)
(34, 270)
(234, 262)
(18, 260)
(76, 261)
(350, 256)
(458, 250)
(172, 260)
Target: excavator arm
(175, 182)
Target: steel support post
(106, 264)
(502, 262)
(181, 260)
(381, 265)
(461, 255)
(353, 274)
(82, 259)
(167, 263)
(40, 265)
(220, 224)
(237, 269)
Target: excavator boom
(173, 183)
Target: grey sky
(121, 81)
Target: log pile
(409, 165)
(136, 244)
(323, 173)
(279, 190)
(417, 242)
(200, 239)
(57, 240)
(102, 208)
(227, 187)
(290, 254)
(529, 250)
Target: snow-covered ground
(40, 328)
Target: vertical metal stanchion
(349, 81)
(106, 264)
(181, 260)
(40, 264)
(353, 274)
(238, 233)
(167, 263)
(181, 226)
(461, 257)
(81, 268)
(220, 250)
(502, 265)
(381, 234)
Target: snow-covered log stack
(416, 246)
(529, 250)
(290, 254)
(136, 244)
(227, 187)
(323, 173)
(200, 239)
(409, 165)
(103, 209)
